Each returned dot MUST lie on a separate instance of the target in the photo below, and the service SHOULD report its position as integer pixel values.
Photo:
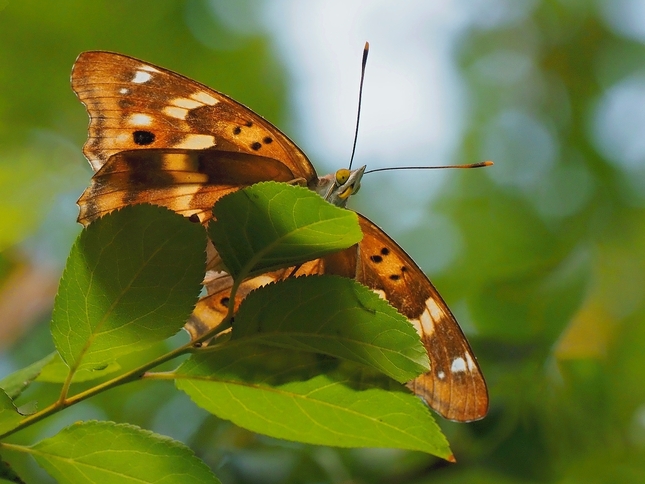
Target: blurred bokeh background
(541, 257)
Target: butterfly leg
(298, 181)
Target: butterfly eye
(342, 176)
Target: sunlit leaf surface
(336, 316)
(271, 225)
(106, 453)
(309, 398)
(131, 280)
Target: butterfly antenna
(366, 51)
(470, 165)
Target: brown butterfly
(158, 137)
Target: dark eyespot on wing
(237, 130)
(248, 124)
(376, 258)
(256, 146)
(194, 218)
(395, 277)
(143, 138)
(385, 251)
(267, 140)
(125, 103)
(224, 301)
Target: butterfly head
(337, 187)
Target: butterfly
(158, 137)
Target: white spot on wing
(148, 68)
(441, 375)
(204, 98)
(185, 103)
(140, 119)
(436, 312)
(458, 365)
(140, 77)
(470, 363)
(174, 112)
(417, 326)
(124, 90)
(431, 315)
(197, 142)
(426, 323)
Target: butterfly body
(158, 137)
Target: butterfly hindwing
(189, 182)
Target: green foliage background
(548, 282)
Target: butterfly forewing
(134, 105)
(454, 386)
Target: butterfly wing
(156, 136)
(212, 308)
(454, 387)
(159, 137)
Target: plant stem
(127, 377)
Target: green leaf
(9, 416)
(336, 316)
(7, 474)
(15, 383)
(272, 225)
(131, 279)
(56, 371)
(106, 452)
(309, 398)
